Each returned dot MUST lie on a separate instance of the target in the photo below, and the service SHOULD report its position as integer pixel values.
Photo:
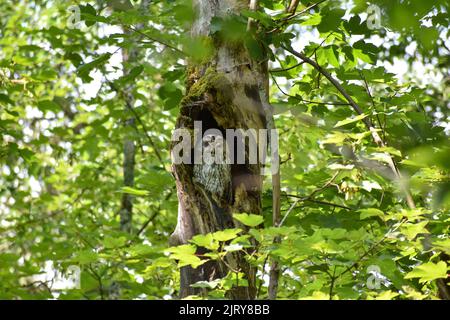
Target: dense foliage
(347, 230)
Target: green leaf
(186, 255)
(389, 150)
(387, 295)
(170, 94)
(429, 271)
(337, 138)
(112, 242)
(331, 19)
(5, 99)
(85, 257)
(370, 212)
(313, 20)
(207, 241)
(411, 230)
(141, 249)
(198, 48)
(46, 75)
(135, 192)
(443, 245)
(48, 105)
(250, 220)
(87, 11)
(131, 76)
(233, 247)
(332, 56)
(205, 284)
(350, 120)
(262, 17)
(84, 70)
(226, 235)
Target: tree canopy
(361, 98)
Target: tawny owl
(214, 174)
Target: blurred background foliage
(63, 102)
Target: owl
(214, 174)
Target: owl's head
(214, 147)
(212, 140)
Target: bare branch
(304, 10)
(293, 14)
(292, 6)
(154, 39)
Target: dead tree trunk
(228, 91)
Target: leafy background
(346, 224)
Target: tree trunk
(444, 284)
(130, 57)
(228, 91)
(129, 149)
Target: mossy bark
(223, 93)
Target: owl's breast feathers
(214, 178)
(214, 174)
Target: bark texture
(223, 93)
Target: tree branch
(274, 274)
(292, 6)
(368, 123)
(308, 101)
(154, 40)
(294, 15)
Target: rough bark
(223, 93)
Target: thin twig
(262, 276)
(274, 274)
(154, 40)
(333, 279)
(153, 216)
(373, 247)
(289, 211)
(294, 15)
(303, 11)
(366, 85)
(292, 8)
(308, 101)
(99, 280)
(287, 69)
(310, 198)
